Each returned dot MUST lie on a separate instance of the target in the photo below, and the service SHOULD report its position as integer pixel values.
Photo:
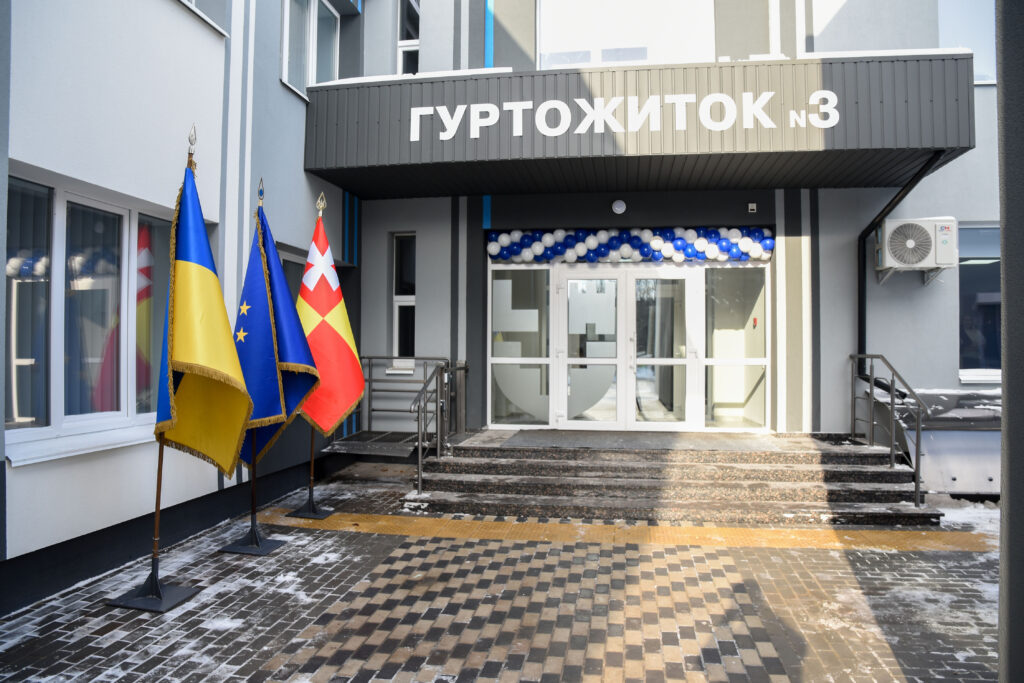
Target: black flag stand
(310, 510)
(252, 543)
(152, 595)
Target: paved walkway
(370, 594)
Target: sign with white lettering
(552, 118)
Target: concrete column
(1009, 46)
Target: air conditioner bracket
(884, 275)
(928, 275)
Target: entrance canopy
(837, 122)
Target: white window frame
(399, 300)
(976, 375)
(69, 435)
(310, 47)
(191, 5)
(405, 45)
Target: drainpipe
(862, 259)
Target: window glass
(215, 10)
(660, 319)
(593, 323)
(735, 396)
(150, 307)
(734, 306)
(29, 224)
(298, 27)
(519, 394)
(409, 21)
(410, 61)
(406, 331)
(980, 299)
(92, 297)
(405, 265)
(327, 27)
(519, 314)
(971, 24)
(591, 32)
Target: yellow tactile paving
(721, 537)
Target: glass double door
(629, 348)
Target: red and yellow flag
(325, 321)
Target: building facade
(501, 178)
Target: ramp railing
(892, 390)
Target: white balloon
(591, 242)
(570, 256)
(493, 248)
(766, 255)
(657, 243)
(537, 248)
(559, 235)
(711, 251)
(504, 240)
(701, 244)
(635, 231)
(755, 250)
(636, 257)
(679, 231)
(767, 232)
(548, 240)
(14, 265)
(679, 257)
(42, 266)
(613, 232)
(517, 259)
(646, 235)
(723, 256)
(602, 236)
(580, 249)
(527, 255)
(690, 235)
(626, 251)
(745, 244)
(516, 235)
(667, 249)
(735, 234)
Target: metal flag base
(154, 596)
(310, 510)
(253, 544)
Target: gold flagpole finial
(191, 145)
(259, 192)
(321, 204)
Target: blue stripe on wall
(489, 34)
(347, 223)
(355, 231)
(485, 220)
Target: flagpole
(310, 510)
(152, 595)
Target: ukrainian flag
(272, 348)
(202, 404)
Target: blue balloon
(701, 256)
(505, 253)
(591, 256)
(702, 232)
(657, 256)
(636, 241)
(515, 248)
(492, 236)
(526, 240)
(734, 252)
(614, 242)
(603, 250)
(569, 241)
(745, 232)
(757, 234)
(549, 253)
(724, 244)
(581, 235)
(679, 244)
(559, 248)
(767, 244)
(744, 257)
(646, 251)
(537, 235)
(690, 251)
(539, 258)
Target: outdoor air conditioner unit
(924, 244)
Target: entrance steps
(700, 478)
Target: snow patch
(980, 517)
(222, 624)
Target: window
(312, 30)
(581, 33)
(213, 11)
(408, 36)
(404, 297)
(86, 299)
(980, 300)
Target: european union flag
(272, 349)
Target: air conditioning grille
(909, 243)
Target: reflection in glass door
(592, 349)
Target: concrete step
(640, 508)
(836, 455)
(644, 469)
(685, 490)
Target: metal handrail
(430, 391)
(920, 408)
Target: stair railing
(432, 404)
(919, 407)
